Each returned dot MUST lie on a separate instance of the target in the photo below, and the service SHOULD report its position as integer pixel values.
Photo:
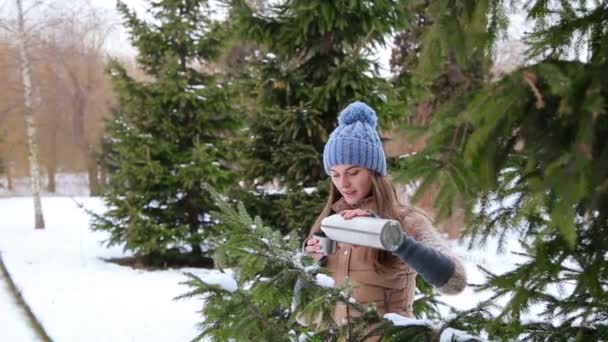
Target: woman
(354, 159)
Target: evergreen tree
(408, 42)
(168, 135)
(317, 59)
(256, 301)
(528, 153)
(425, 81)
(421, 96)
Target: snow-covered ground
(13, 320)
(79, 297)
(67, 184)
(74, 293)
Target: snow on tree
(256, 299)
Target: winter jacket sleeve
(425, 251)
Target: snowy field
(67, 184)
(79, 297)
(13, 323)
(74, 293)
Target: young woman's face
(353, 182)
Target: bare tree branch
(46, 24)
(34, 4)
(6, 27)
(4, 23)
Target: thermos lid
(391, 236)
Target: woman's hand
(314, 248)
(349, 214)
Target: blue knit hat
(355, 140)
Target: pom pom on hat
(355, 140)
(358, 111)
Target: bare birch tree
(24, 65)
(72, 93)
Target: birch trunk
(29, 118)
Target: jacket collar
(366, 203)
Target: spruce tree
(528, 154)
(255, 300)
(316, 58)
(422, 94)
(428, 74)
(168, 135)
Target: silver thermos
(364, 231)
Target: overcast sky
(118, 40)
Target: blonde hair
(387, 205)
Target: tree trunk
(79, 106)
(24, 65)
(9, 176)
(78, 120)
(51, 172)
(93, 174)
(52, 162)
(196, 252)
(103, 177)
